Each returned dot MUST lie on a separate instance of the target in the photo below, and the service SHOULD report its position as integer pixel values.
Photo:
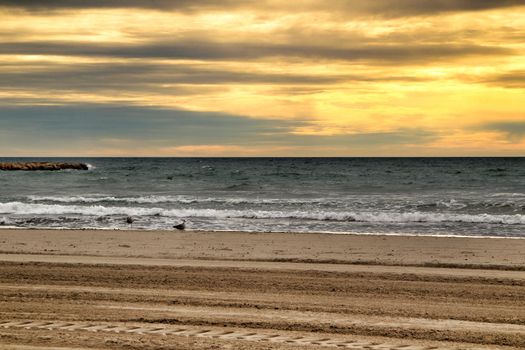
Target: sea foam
(20, 208)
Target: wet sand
(189, 290)
(330, 248)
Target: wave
(172, 199)
(510, 206)
(101, 199)
(19, 208)
(462, 205)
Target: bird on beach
(130, 220)
(181, 226)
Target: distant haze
(262, 78)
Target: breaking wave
(512, 205)
(20, 208)
(168, 199)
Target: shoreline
(498, 253)
(381, 234)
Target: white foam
(348, 202)
(98, 199)
(173, 199)
(20, 208)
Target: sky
(262, 78)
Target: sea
(397, 196)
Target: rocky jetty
(31, 166)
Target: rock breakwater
(32, 166)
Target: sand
(351, 249)
(232, 290)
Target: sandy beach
(262, 175)
(234, 290)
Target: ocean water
(421, 196)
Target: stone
(32, 166)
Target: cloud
(128, 130)
(64, 124)
(509, 79)
(180, 5)
(402, 136)
(400, 8)
(182, 79)
(126, 74)
(514, 130)
(387, 8)
(206, 150)
(210, 51)
(339, 68)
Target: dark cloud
(206, 50)
(172, 78)
(515, 130)
(138, 74)
(59, 124)
(339, 7)
(74, 125)
(421, 7)
(510, 79)
(181, 5)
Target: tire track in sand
(258, 336)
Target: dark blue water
(427, 196)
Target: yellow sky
(382, 78)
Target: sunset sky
(262, 78)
